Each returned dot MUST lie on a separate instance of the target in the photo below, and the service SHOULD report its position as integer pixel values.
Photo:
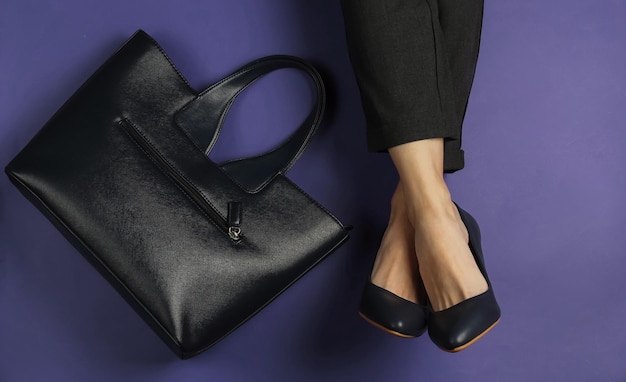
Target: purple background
(545, 176)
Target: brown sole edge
(379, 326)
(456, 350)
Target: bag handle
(202, 120)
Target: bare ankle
(425, 205)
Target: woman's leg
(396, 267)
(448, 269)
(414, 90)
(405, 87)
(392, 50)
(461, 24)
(447, 266)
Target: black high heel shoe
(457, 327)
(392, 313)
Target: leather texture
(458, 326)
(202, 120)
(391, 312)
(121, 170)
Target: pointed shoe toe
(392, 313)
(455, 328)
(459, 326)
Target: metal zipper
(232, 231)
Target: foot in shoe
(447, 266)
(396, 267)
(462, 324)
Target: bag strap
(202, 120)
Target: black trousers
(414, 61)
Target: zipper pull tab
(233, 220)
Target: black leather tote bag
(195, 247)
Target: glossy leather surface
(391, 312)
(454, 328)
(202, 120)
(124, 207)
